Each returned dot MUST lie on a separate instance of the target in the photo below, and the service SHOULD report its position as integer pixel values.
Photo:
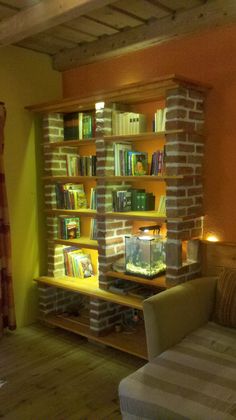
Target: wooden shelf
(78, 212)
(141, 136)
(135, 178)
(90, 287)
(158, 282)
(135, 215)
(133, 343)
(83, 242)
(74, 179)
(70, 143)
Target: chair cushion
(225, 306)
(193, 380)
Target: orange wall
(208, 57)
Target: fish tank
(145, 255)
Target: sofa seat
(195, 379)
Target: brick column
(184, 156)
(103, 315)
(54, 164)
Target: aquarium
(145, 255)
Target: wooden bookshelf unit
(182, 137)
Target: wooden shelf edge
(67, 178)
(90, 288)
(70, 143)
(114, 340)
(145, 215)
(79, 212)
(115, 95)
(82, 242)
(149, 135)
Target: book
(93, 205)
(162, 205)
(71, 126)
(68, 227)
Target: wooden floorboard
(52, 374)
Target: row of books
(128, 161)
(77, 263)
(81, 165)
(131, 162)
(79, 125)
(133, 200)
(158, 163)
(128, 123)
(70, 196)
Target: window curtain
(7, 311)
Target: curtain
(7, 311)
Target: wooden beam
(42, 16)
(211, 14)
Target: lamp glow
(99, 105)
(212, 238)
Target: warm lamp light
(212, 238)
(99, 105)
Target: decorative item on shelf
(145, 253)
(121, 287)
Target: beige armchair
(171, 315)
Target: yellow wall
(25, 78)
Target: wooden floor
(51, 374)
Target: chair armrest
(170, 315)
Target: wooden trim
(157, 31)
(79, 212)
(133, 92)
(42, 16)
(217, 255)
(91, 288)
(69, 143)
(82, 242)
(84, 178)
(134, 343)
(134, 215)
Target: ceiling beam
(211, 14)
(44, 15)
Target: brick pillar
(104, 315)
(110, 232)
(54, 164)
(53, 300)
(184, 156)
